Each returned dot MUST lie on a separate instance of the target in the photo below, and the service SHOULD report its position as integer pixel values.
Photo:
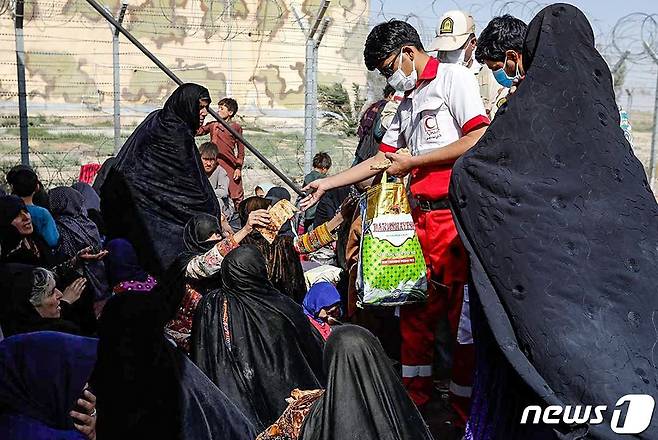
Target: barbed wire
(204, 27)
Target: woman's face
(23, 223)
(49, 307)
(203, 110)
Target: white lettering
(638, 415)
(526, 413)
(598, 411)
(576, 418)
(548, 418)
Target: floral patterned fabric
(289, 425)
(208, 264)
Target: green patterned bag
(392, 268)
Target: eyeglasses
(387, 71)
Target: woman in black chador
(562, 231)
(157, 182)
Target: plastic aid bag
(392, 269)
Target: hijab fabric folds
(146, 388)
(157, 182)
(364, 398)
(91, 200)
(197, 232)
(122, 263)
(10, 207)
(42, 375)
(253, 342)
(560, 224)
(77, 232)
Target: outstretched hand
(88, 254)
(317, 190)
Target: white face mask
(402, 82)
(455, 57)
(452, 56)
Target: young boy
(231, 151)
(321, 166)
(440, 117)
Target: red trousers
(448, 270)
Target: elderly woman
(31, 301)
(46, 397)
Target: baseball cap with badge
(453, 31)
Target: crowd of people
(153, 304)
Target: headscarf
(364, 398)
(322, 295)
(91, 200)
(274, 195)
(10, 207)
(122, 264)
(16, 248)
(17, 313)
(146, 388)
(77, 232)
(158, 183)
(104, 170)
(265, 186)
(197, 232)
(560, 223)
(277, 193)
(269, 348)
(42, 375)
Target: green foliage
(343, 112)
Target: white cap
(453, 31)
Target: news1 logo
(638, 414)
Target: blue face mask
(503, 78)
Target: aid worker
(440, 117)
(455, 42)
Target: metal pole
(309, 105)
(314, 101)
(117, 82)
(311, 81)
(20, 73)
(178, 81)
(654, 137)
(620, 62)
(229, 42)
